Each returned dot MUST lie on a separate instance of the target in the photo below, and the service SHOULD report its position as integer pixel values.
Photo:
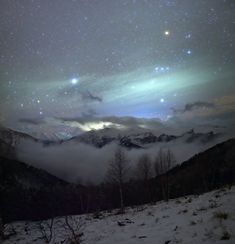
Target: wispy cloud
(31, 121)
(76, 91)
(89, 96)
(194, 106)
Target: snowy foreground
(208, 218)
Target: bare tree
(118, 171)
(2, 179)
(73, 226)
(144, 168)
(8, 143)
(163, 163)
(144, 172)
(46, 229)
(2, 234)
(6, 231)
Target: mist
(81, 163)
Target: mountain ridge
(100, 138)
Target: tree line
(119, 172)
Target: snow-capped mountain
(142, 140)
(11, 137)
(103, 137)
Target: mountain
(103, 137)
(72, 159)
(15, 173)
(9, 139)
(142, 140)
(11, 136)
(30, 193)
(205, 171)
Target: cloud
(75, 161)
(77, 91)
(176, 125)
(217, 116)
(198, 105)
(31, 121)
(220, 120)
(189, 107)
(122, 123)
(89, 96)
(226, 102)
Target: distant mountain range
(101, 138)
(141, 140)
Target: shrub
(221, 215)
(225, 236)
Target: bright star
(162, 100)
(74, 81)
(189, 52)
(167, 33)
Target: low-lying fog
(78, 162)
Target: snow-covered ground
(207, 218)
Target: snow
(191, 219)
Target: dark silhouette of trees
(118, 172)
(144, 172)
(1, 229)
(164, 161)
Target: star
(167, 33)
(189, 52)
(74, 81)
(161, 69)
(188, 36)
(136, 57)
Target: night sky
(161, 59)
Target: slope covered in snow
(207, 218)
